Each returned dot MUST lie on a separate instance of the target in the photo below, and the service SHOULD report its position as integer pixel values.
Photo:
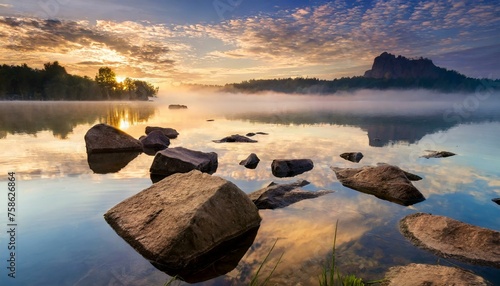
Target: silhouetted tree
(106, 79)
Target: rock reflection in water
(218, 261)
(104, 163)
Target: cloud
(337, 35)
(125, 45)
(333, 39)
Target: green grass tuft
(331, 275)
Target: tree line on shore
(452, 82)
(54, 83)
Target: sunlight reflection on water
(65, 240)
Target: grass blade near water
(331, 275)
(255, 278)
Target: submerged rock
(155, 141)
(104, 163)
(235, 138)
(277, 196)
(352, 156)
(218, 261)
(288, 168)
(250, 134)
(251, 161)
(169, 132)
(179, 222)
(447, 237)
(182, 160)
(385, 181)
(438, 154)
(424, 275)
(103, 138)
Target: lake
(63, 239)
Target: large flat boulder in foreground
(176, 222)
(103, 138)
(451, 238)
(181, 160)
(384, 181)
(425, 275)
(290, 167)
(277, 196)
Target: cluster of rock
(188, 221)
(443, 236)
(189, 224)
(103, 138)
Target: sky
(170, 42)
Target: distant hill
(391, 67)
(387, 72)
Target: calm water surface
(63, 239)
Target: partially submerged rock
(103, 138)
(155, 141)
(277, 196)
(290, 167)
(177, 106)
(251, 161)
(425, 275)
(496, 200)
(438, 154)
(410, 176)
(169, 132)
(352, 156)
(182, 160)
(180, 221)
(235, 138)
(384, 181)
(451, 238)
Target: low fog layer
(407, 102)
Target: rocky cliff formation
(389, 66)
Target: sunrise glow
(182, 42)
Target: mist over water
(48, 152)
(404, 102)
